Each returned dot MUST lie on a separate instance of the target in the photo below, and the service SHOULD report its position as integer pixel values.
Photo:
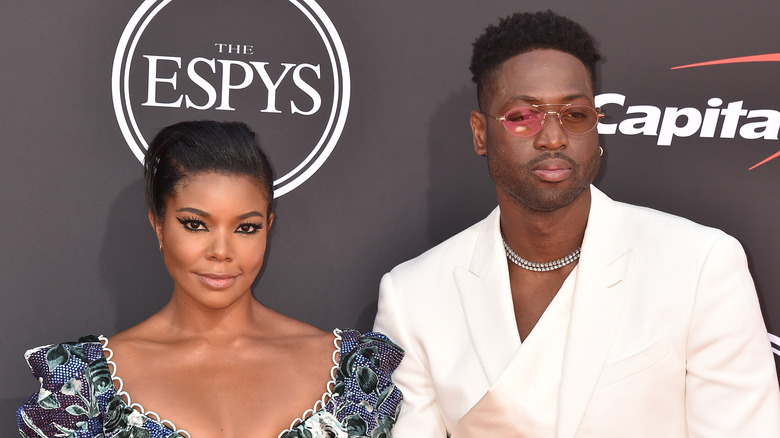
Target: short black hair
(180, 151)
(523, 32)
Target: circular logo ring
(120, 89)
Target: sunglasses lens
(527, 121)
(523, 121)
(579, 119)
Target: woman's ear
(157, 227)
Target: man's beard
(518, 181)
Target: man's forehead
(561, 94)
(549, 64)
(541, 73)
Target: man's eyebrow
(524, 98)
(576, 96)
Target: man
(565, 313)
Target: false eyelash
(257, 226)
(189, 219)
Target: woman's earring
(601, 154)
(161, 248)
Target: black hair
(521, 33)
(180, 151)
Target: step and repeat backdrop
(363, 108)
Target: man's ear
(478, 126)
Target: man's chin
(550, 200)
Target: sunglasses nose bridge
(557, 118)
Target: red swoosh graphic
(769, 57)
(766, 160)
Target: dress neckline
(320, 404)
(119, 387)
(154, 416)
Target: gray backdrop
(78, 255)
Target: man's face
(551, 169)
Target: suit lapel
(487, 301)
(599, 295)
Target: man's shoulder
(650, 222)
(455, 251)
(646, 222)
(614, 227)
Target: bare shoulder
(298, 338)
(140, 336)
(137, 354)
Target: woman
(213, 362)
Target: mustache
(552, 155)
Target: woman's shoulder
(289, 336)
(65, 358)
(286, 326)
(345, 345)
(75, 385)
(364, 393)
(362, 398)
(375, 347)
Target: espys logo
(278, 66)
(674, 122)
(775, 344)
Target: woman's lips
(217, 281)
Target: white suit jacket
(665, 339)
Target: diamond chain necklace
(539, 267)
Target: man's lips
(555, 170)
(217, 281)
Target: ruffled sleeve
(76, 387)
(364, 398)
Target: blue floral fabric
(77, 398)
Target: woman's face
(213, 238)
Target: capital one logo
(724, 120)
(279, 66)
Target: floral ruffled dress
(78, 397)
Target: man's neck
(541, 236)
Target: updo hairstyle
(181, 151)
